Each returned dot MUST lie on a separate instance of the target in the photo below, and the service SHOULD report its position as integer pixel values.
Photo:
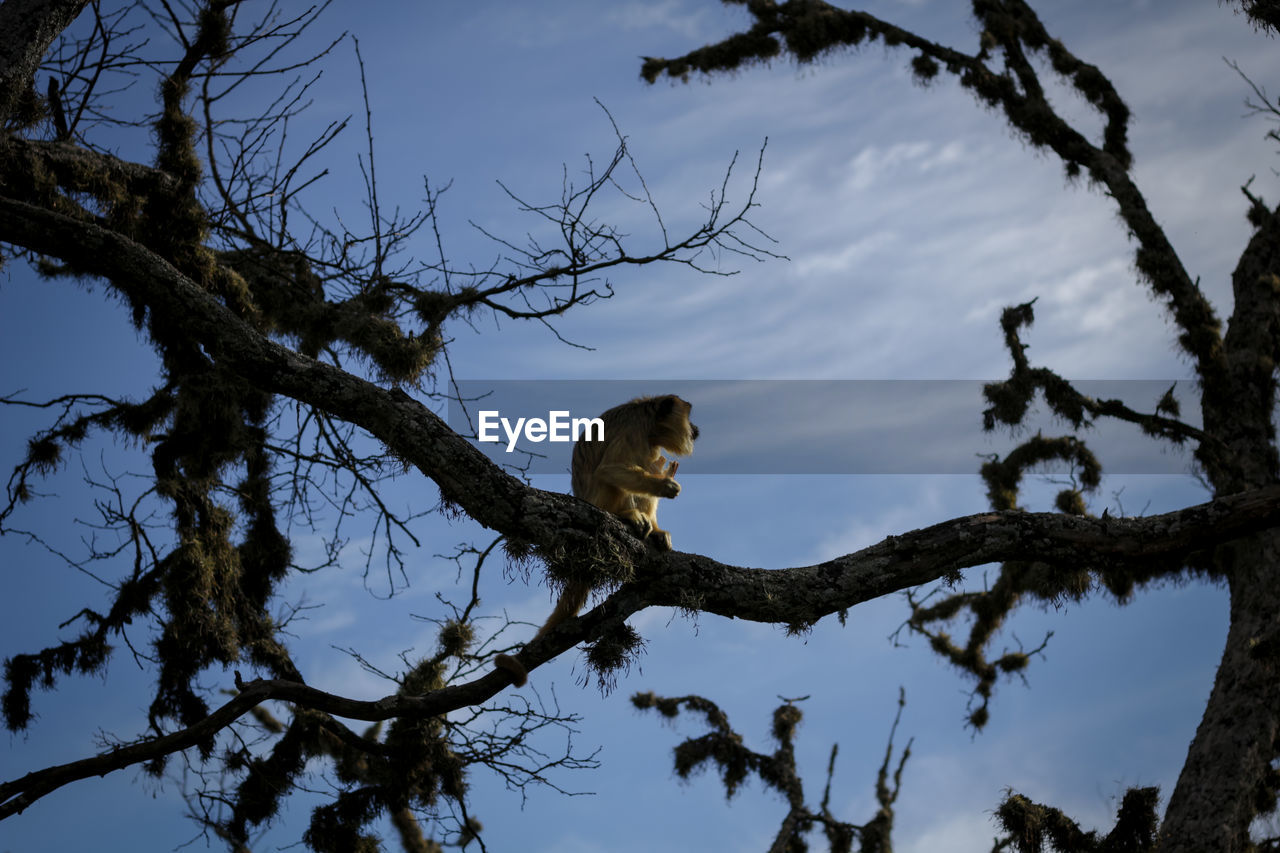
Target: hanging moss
(924, 68)
(612, 652)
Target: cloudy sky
(910, 216)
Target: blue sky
(911, 217)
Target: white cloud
(876, 164)
(846, 259)
(672, 15)
(950, 833)
(920, 510)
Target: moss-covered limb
(211, 591)
(464, 475)
(413, 766)
(77, 169)
(1017, 580)
(175, 224)
(809, 28)
(133, 596)
(416, 763)
(390, 778)
(1264, 14)
(1013, 25)
(805, 594)
(1011, 399)
(1055, 543)
(1003, 477)
(1229, 776)
(289, 297)
(806, 29)
(46, 450)
(877, 833)
(726, 749)
(1036, 828)
(988, 610)
(1238, 410)
(16, 795)
(86, 654)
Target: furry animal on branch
(624, 473)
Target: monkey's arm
(635, 479)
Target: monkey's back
(627, 429)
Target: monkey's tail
(512, 667)
(571, 601)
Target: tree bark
(29, 28)
(1215, 798)
(1222, 786)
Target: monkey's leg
(646, 508)
(638, 520)
(661, 539)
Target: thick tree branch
(29, 28)
(1229, 775)
(82, 170)
(794, 596)
(1238, 409)
(489, 495)
(804, 594)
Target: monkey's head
(672, 429)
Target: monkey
(623, 474)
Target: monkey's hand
(668, 488)
(664, 472)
